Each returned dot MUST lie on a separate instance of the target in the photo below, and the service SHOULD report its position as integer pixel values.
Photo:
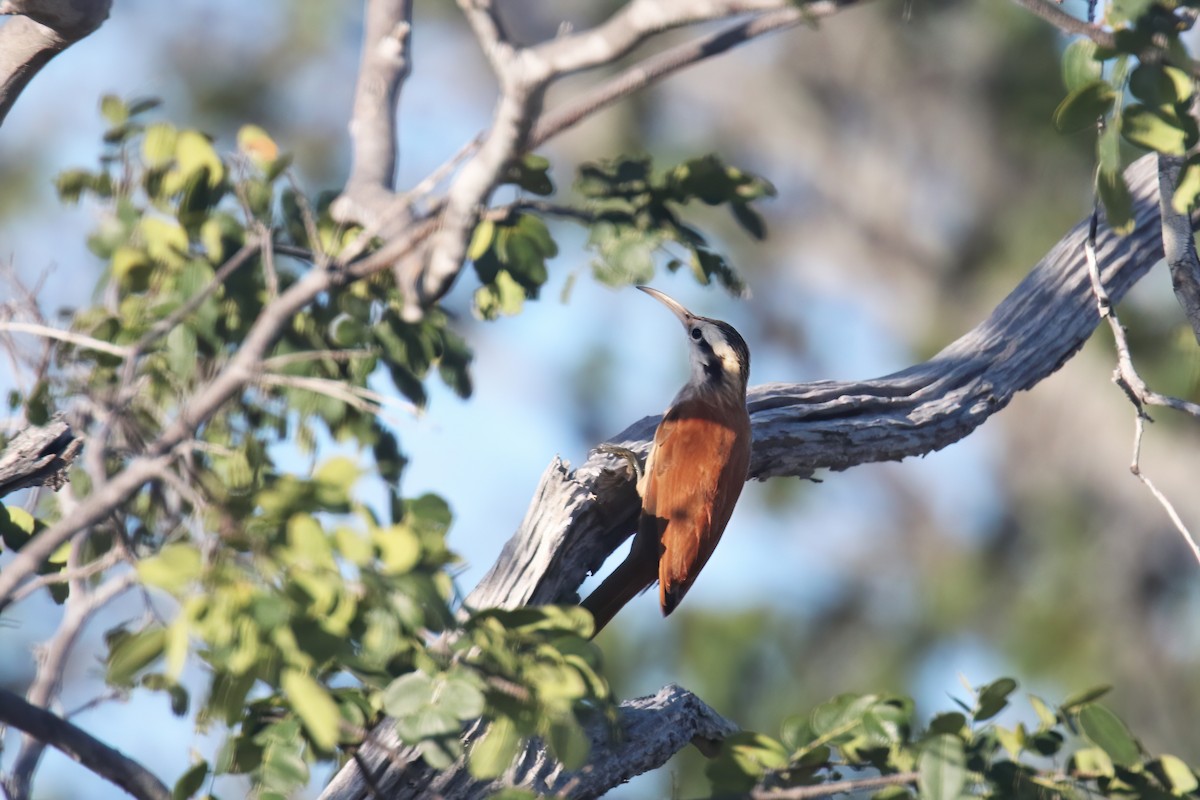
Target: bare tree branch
(386, 64)
(110, 764)
(634, 23)
(38, 456)
(1126, 376)
(45, 29)
(524, 75)
(662, 65)
(52, 659)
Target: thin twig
(1102, 36)
(109, 559)
(1126, 377)
(834, 787)
(300, 357)
(365, 400)
(52, 658)
(659, 66)
(167, 323)
(70, 337)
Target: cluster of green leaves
(1079, 749)
(635, 205)
(312, 613)
(632, 213)
(1152, 63)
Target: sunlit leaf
(1083, 106)
(1105, 729)
(942, 768)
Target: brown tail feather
(628, 580)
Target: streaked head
(719, 356)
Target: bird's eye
(696, 334)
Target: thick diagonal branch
(579, 517)
(110, 764)
(44, 29)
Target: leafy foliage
(634, 211)
(312, 613)
(1078, 749)
(1151, 63)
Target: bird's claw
(627, 455)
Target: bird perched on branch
(693, 475)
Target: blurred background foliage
(918, 178)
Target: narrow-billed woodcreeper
(693, 475)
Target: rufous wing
(696, 472)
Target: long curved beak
(678, 310)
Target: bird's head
(719, 356)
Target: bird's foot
(627, 455)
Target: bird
(693, 475)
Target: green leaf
(1047, 719)
(165, 240)
(131, 268)
(1080, 699)
(461, 694)
(941, 768)
(1176, 774)
(407, 694)
(182, 355)
(174, 568)
(1090, 762)
(158, 144)
(399, 549)
(495, 750)
(1160, 85)
(307, 542)
(950, 722)
(1083, 106)
(1105, 729)
(993, 698)
(568, 742)
(504, 297)
(254, 143)
(1188, 188)
(190, 782)
(176, 647)
(1118, 203)
(17, 526)
(132, 652)
(744, 759)
(839, 716)
(481, 239)
(429, 722)
(1079, 64)
(114, 110)
(195, 158)
(1160, 129)
(314, 705)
